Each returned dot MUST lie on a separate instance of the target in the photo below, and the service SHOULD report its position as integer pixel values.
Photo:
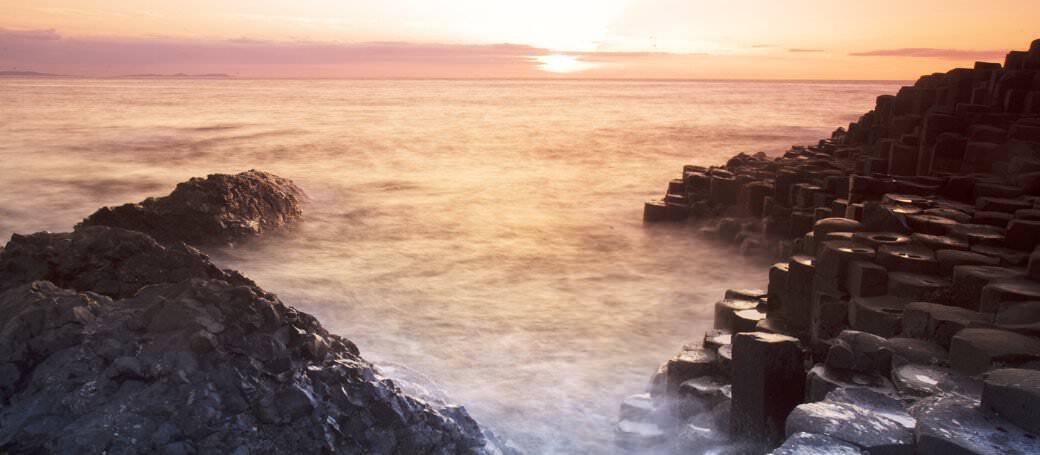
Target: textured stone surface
(216, 210)
(109, 261)
(974, 351)
(803, 443)
(770, 383)
(1015, 395)
(875, 422)
(956, 425)
(200, 365)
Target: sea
(479, 240)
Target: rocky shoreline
(122, 337)
(904, 314)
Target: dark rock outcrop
(217, 210)
(198, 366)
(111, 342)
(109, 261)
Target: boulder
(954, 424)
(867, 419)
(771, 383)
(1014, 393)
(977, 350)
(217, 210)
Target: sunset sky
(672, 39)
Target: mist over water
(482, 238)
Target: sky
(656, 39)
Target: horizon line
(333, 78)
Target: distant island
(28, 74)
(176, 76)
(125, 76)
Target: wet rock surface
(217, 210)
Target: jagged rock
(770, 383)
(1015, 395)
(110, 261)
(867, 419)
(977, 350)
(803, 443)
(126, 375)
(217, 210)
(954, 424)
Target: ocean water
(482, 239)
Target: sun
(558, 63)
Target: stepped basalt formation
(903, 315)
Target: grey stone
(867, 419)
(771, 383)
(1021, 317)
(969, 280)
(916, 351)
(977, 350)
(823, 380)
(866, 279)
(803, 443)
(1014, 394)
(1002, 291)
(907, 258)
(955, 425)
(948, 259)
(878, 315)
(939, 323)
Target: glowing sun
(557, 63)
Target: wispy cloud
(927, 52)
(798, 50)
(47, 50)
